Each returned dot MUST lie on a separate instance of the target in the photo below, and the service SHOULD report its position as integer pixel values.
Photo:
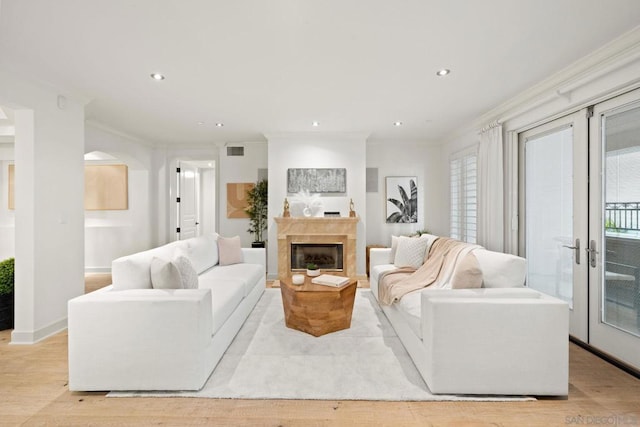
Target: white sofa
(500, 339)
(129, 336)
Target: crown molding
(618, 53)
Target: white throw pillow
(165, 274)
(230, 250)
(501, 270)
(203, 251)
(410, 252)
(188, 274)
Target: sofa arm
(255, 256)
(139, 339)
(495, 341)
(379, 256)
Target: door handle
(575, 248)
(592, 253)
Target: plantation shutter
(463, 188)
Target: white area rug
(267, 360)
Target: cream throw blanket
(436, 271)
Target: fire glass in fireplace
(328, 256)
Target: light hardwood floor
(33, 391)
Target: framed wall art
(327, 180)
(106, 187)
(401, 199)
(237, 199)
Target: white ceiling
(275, 66)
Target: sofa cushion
(229, 250)
(165, 274)
(134, 271)
(248, 274)
(203, 251)
(410, 252)
(226, 295)
(410, 306)
(501, 270)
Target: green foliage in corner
(6, 276)
(257, 199)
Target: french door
(614, 231)
(580, 220)
(553, 213)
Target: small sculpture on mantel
(352, 212)
(286, 213)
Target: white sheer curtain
(490, 189)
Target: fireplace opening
(328, 256)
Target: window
(463, 171)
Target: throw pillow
(188, 274)
(394, 247)
(229, 250)
(203, 251)
(165, 274)
(410, 252)
(467, 273)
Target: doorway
(195, 202)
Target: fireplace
(328, 242)
(327, 256)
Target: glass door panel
(615, 228)
(553, 219)
(549, 213)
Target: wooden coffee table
(317, 309)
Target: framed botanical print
(401, 199)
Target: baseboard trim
(32, 337)
(629, 369)
(97, 269)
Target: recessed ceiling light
(157, 76)
(443, 72)
(200, 123)
(397, 123)
(315, 124)
(219, 125)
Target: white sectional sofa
(500, 339)
(130, 336)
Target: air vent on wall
(235, 151)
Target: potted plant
(6, 293)
(312, 269)
(257, 199)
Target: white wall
(115, 233)
(318, 150)
(49, 218)
(7, 217)
(407, 159)
(236, 169)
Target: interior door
(553, 212)
(187, 201)
(614, 252)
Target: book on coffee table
(330, 280)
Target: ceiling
(276, 66)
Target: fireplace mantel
(316, 230)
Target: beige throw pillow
(229, 250)
(467, 273)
